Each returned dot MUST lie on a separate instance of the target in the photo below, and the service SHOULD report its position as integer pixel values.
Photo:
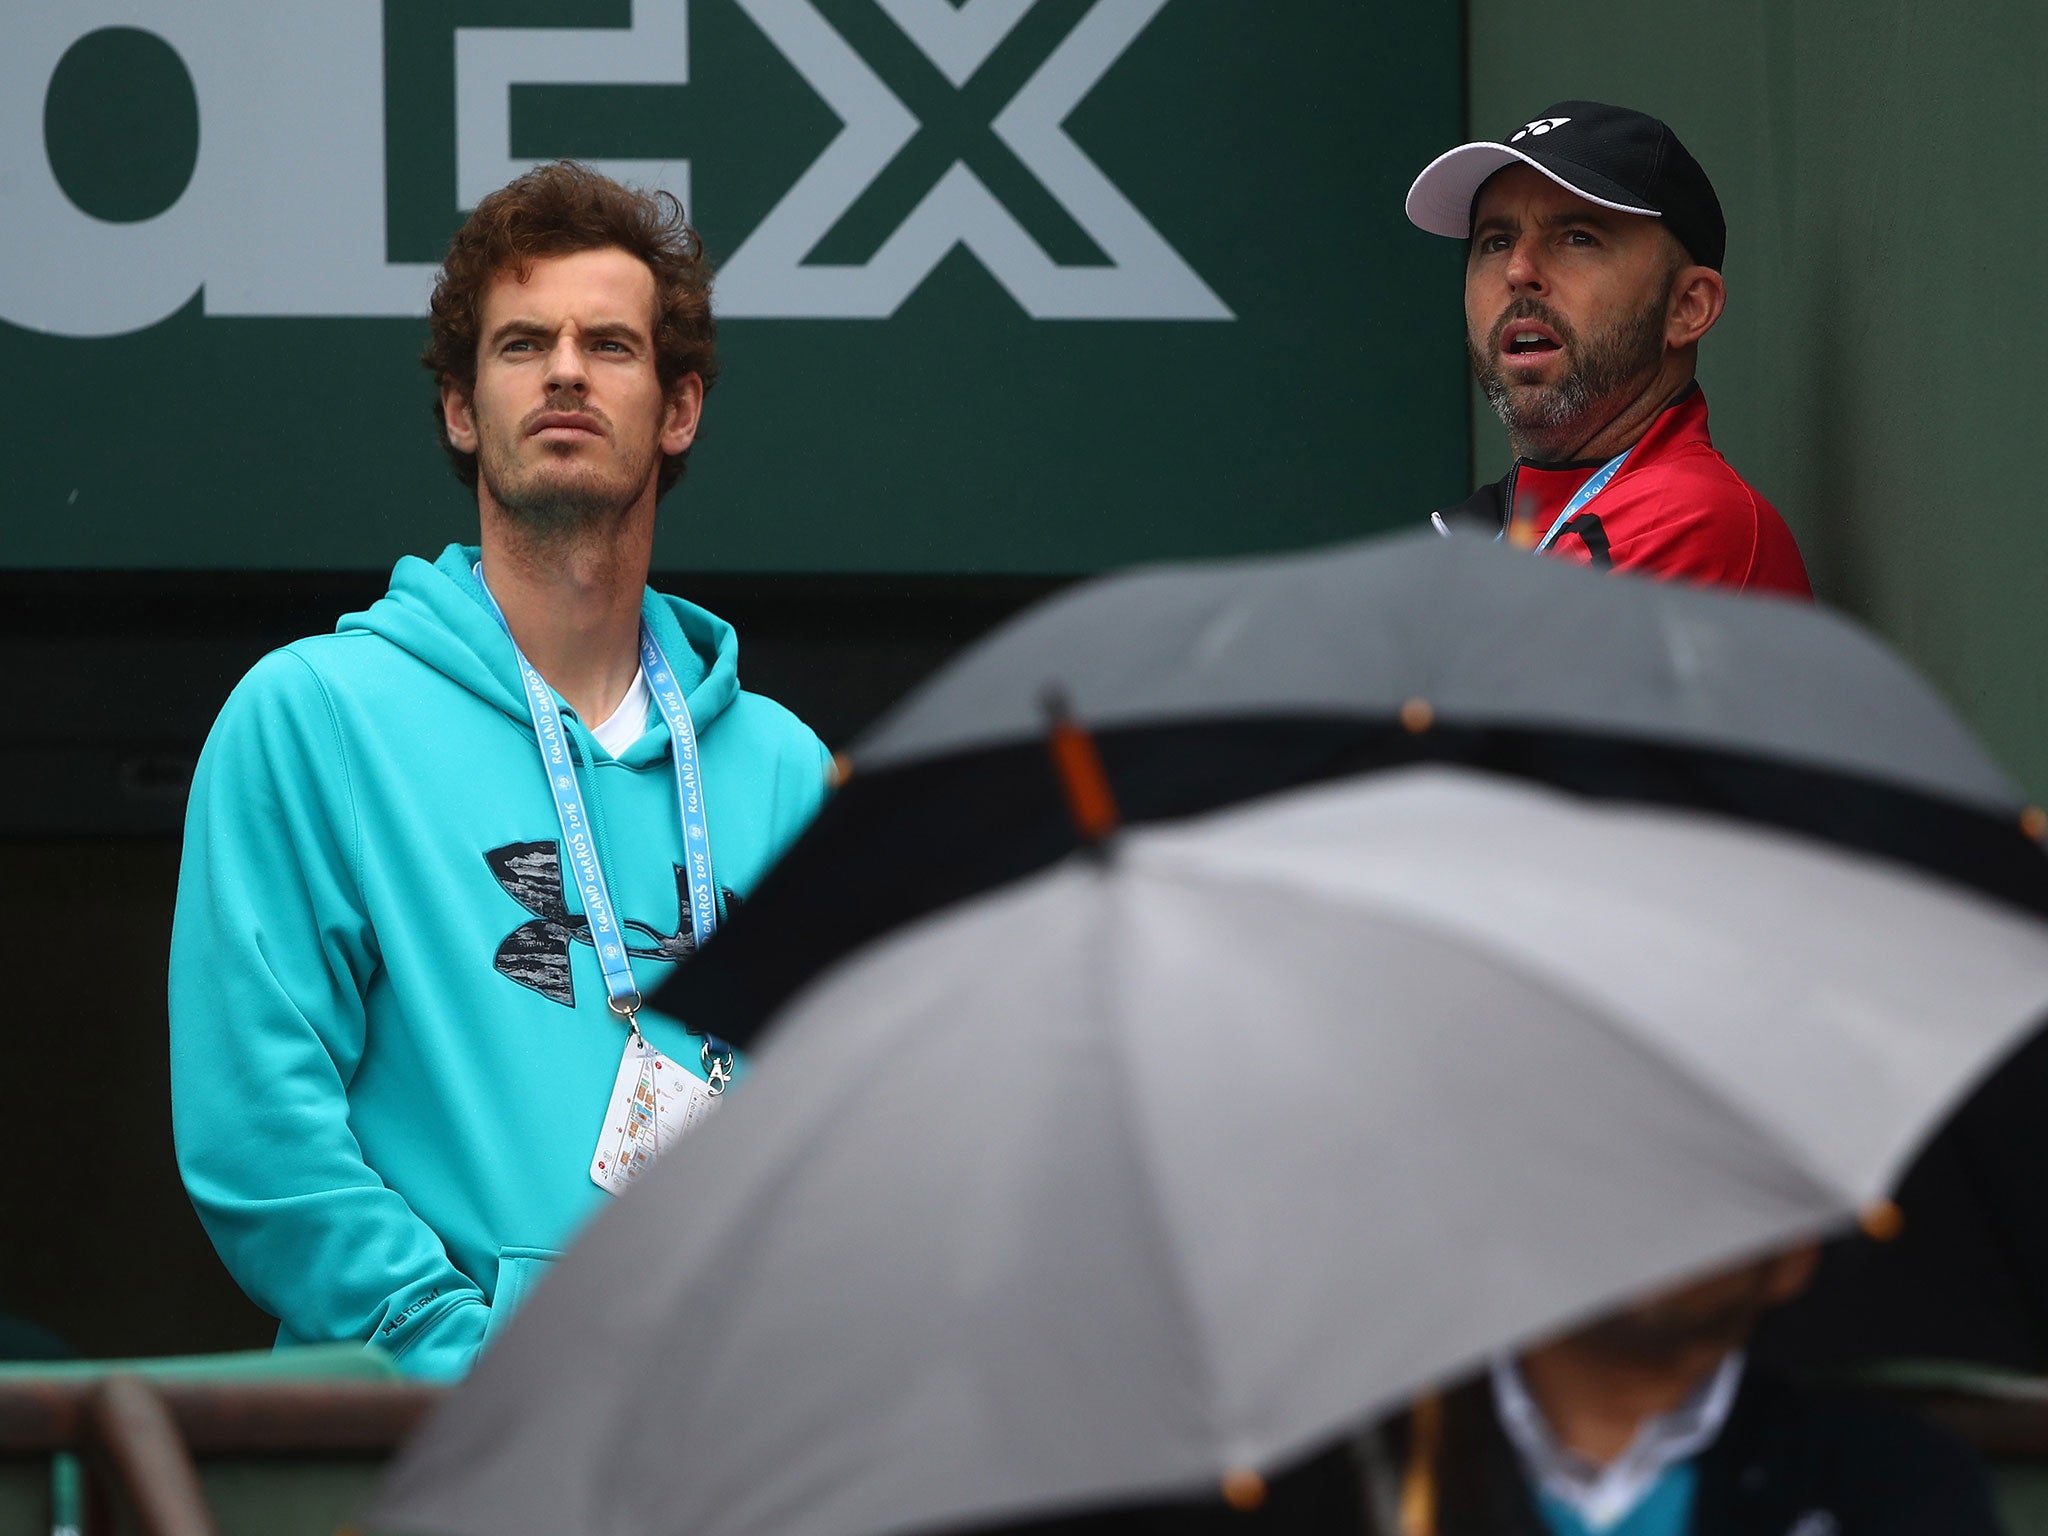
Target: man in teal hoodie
(433, 859)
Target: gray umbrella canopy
(1487, 635)
(1185, 1158)
(1209, 685)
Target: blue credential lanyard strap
(1586, 493)
(668, 698)
(579, 844)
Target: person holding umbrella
(1593, 272)
(1649, 1421)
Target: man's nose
(1524, 269)
(565, 365)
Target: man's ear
(685, 405)
(1697, 298)
(457, 416)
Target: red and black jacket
(1675, 509)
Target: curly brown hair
(557, 210)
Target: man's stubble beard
(1664, 1343)
(553, 500)
(1664, 1330)
(1606, 368)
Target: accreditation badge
(654, 1105)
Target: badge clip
(628, 1008)
(717, 1067)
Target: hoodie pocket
(519, 1271)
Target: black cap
(1612, 156)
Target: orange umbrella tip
(840, 771)
(1417, 716)
(1079, 767)
(2034, 823)
(1243, 1489)
(1883, 1221)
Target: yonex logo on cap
(1612, 156)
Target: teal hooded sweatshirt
(391, 1049)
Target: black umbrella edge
(896, 844)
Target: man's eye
(611, 346)
(521, 345)
(1493, 245)
(1580, 237)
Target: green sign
(1005, 285)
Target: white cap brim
(1440, 201)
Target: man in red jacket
(1593, 268)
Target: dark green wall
(1879, 371)
(1184, 321)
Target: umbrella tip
(1417, 715)
(2034, 823)
(1079, 766)
(1882, 1221)
(1243, 1489)
(839, 771)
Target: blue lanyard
(579, 844)
(1586, 493)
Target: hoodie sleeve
(271, 952)
(791, 779)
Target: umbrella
(1206, 685)
(1183, 1155)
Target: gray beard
(1544, 422)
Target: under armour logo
(536, 953)
(1541, 126)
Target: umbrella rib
(1109, 937)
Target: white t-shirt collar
(1604, 1496)
(628, 723)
